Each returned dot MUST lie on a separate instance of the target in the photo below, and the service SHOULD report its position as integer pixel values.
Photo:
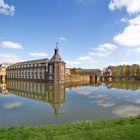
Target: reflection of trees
(124, 86)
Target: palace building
(52, 70)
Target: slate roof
(32, 62)
(56, 57)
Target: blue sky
(92, 33)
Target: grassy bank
(118, 129)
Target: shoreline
(121, 129)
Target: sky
(91, 33)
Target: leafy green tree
(126, 70)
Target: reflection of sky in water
(79, 103)
(121, 103)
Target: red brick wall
(57, 71)
(76, 78)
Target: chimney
(56, 51)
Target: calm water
(32, 103)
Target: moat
(24, 103)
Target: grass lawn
(116, 129)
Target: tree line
(126, 70)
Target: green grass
(117, 129)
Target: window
(51, 69)
(50, 77)
(62, 69)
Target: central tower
(56, 68)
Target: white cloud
(77, 62)
(72, 62)
(82, 63)
(133, 100)
(100, 53)
(126, 111)
(85, 58)
(125, 20)
(102, 100)
(124, 63)
(12, 105)
(135, 21)
(85, 92)
(6, 9)
(132, 6)
(9, 58)
(103, 50)
(90, 60)
(62, 39)
(136, 50)
(38, 54)
(11, 45)
(107, 46)
(131, 34)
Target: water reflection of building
(56, 96)
(53, 94)
(3, 88)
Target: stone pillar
(92, 79)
